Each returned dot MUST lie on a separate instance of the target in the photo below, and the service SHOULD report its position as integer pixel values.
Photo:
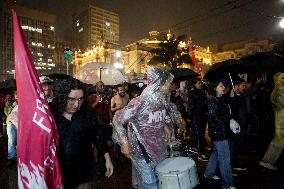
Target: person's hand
(125, 150)
(181, 123)
(109, 166)
(232, 93)
(168, 133)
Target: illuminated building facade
(239, 49)
(92, 24)
(39, 30)
(136, 55)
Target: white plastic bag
(234, 126)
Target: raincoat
(148, 114)
(277, 99)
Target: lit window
(78, 24)
(52, 28)
(81, 29)
(107, 24)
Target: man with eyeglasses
(78, 134)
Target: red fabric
(192, 56)
(102, 111)
(38, 164)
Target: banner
(38, 164)
(197, 67)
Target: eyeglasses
(73, 100)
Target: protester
(197, 110)
(150, 114)
(120, 100)
(238, 105)
(47, 86)
(101, 105)
(11, 129)
(77, 127)
(276, 146)
(219, 130)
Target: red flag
(38, 164)
(192, 56)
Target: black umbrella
(8, 86)
(222, 69)
(264, 62)
(183, 73)
(55, 76)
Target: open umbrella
(105, 72)
(7, 86)
(222, 69)
(56, 76)
(264, 62)
(183, 73)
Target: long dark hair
(212, 88)
(61, 95)
(193, 82)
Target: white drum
(177, 173)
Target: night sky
(207, 21)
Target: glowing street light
(118, 54)
(281, 23)
(118, 65)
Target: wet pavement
(254, 178)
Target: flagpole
(67, 65)
(68, 58)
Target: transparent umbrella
(105, 72)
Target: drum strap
(145, 154)
(141, 146)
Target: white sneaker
(268, 166)
(231, 187)
(215, 177)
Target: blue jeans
(221, 154)
(12, 141)
(146, 175)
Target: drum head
(175, 164)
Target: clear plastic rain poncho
(148, 114)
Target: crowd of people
(93, 128)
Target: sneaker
(235, 174)
(215, 177)
(240, 168)
(231, 187)
(203, 158)
(268, 166)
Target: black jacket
(75, 151)
(197, 107)
(218, 118)
(239, 110)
